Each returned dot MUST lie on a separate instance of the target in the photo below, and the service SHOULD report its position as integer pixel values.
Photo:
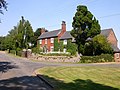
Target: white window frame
(40, 41)
(117, 55)
(52, 40)
(51, 48)
(45, 41)
(65, 42)
(64, 50)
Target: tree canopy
(19, 37)
(84, 26)
(101, 45)
(3, 4)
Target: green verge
(82, 78)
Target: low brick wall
(56, 58)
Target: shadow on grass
(23, 83)
(77, 84)
(5, 66)
(34, 83)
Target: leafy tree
(3, 4)
(2, 45)
(101, 45)
(84, 26)
(71, 47)
(25, 33)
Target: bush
(18, 52)
(97, 59)
(36, 50)
(71, 47)
(57, 54)
(12, 51)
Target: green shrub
(56, 44)
(97, 59)
(71, 47)
(12, 51)
(18, 52)
(36, 50)
(57, 54)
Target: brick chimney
(42, 30)
(63, 26)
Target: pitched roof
(106, 32)
(66, 35)
(49, 34)
(115, 48)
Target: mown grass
(83, 78)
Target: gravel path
(18, 73)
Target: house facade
(110, 35)
(46, 39)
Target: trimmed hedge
(18, 52)
(97, 59)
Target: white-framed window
(117, 55)
(51, 48)
(52, 40)
(65, 42)
(45, 41)
(40, 41)
(64, 50)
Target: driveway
(18, 73)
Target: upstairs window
(65, 42)
(117, 55)
(40, 41)
(45, 41)
(52, 40)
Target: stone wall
(72, 59)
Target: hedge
(97, 59)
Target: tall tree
(84, 26)
(3, 4)
(25, 33)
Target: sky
(49, 14)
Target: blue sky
(50, 13)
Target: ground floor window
(51, 48)
(64, 50)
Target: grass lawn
(83, 78)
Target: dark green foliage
(19, 37)
(3, 5)
(101, 45)
(84, 26)
(89, 48)
(61, 46)
(97, 59)
(56, 44)
(36, 50)
(71, 47)
(57, 54)
(18, 51)
(2, 45)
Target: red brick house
(110, 35)
(46, 39)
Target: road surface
(18, 73)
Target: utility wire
(118, 14)
(107, 16)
